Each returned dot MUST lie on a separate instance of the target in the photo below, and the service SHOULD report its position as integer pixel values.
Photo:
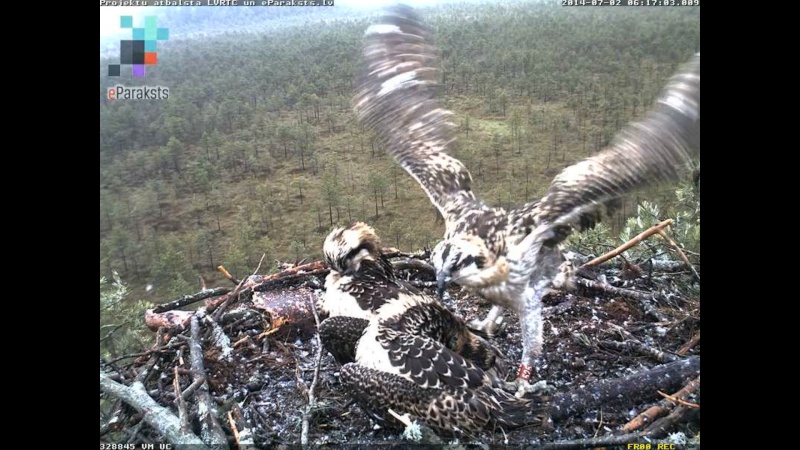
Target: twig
(689, 344)
(263, 255)
(192, 387)
(660, 427)
(134, 432)
(189, 299)
(311, 398)
(232, 424)
(182, 415)
(635, 240)
(292, 272)
(640, 347)
(158, 417)
(116, 327)
(621, 292)
(210, 429)
(661, 408)
(680, 253)
(243, 433)
(599, 425)
(678, 401)
(227, 274)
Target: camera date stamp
(645, 3)
(112, 446)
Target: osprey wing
(649, 151)
(395, 98)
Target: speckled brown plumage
(411, 354)
(509, 257)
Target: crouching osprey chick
(403, 350)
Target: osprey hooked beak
(442, 283)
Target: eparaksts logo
(120, 92)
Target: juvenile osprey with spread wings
(509, 257)
(403, 350)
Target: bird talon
(487, 326)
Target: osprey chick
(509, 257)
(405, 351)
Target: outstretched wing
(652, 150)
(395, 97)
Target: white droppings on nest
(677, 438)
(221, 340)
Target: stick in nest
(633, 241)
(311, 398)
(662, 408)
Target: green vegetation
(257, 151)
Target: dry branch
(227, 275)
(243, 433)
(639, 347)
(171, 320)
(633, 388)
(259, 282)
(154, 414)
(688, 345)
(183, 415)
(189, 299)
(635, 240)
(661, 427)
(312, 402)
(621, 292)
(680, 253)
(658, 410)
(207, 409)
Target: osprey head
(346, 248)
(465, 260)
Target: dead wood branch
(154, 414)
(183, 415)
(678, 249)
(639, 347)
(171, 320)
(633, 388)
(635, 240)
(620, 292)
(312, 402)
(259, 282)
(658, 410)
(189, 299)
(661, 427)
(207, 409)
(227, 275)
(689, 344)
(244, 438)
